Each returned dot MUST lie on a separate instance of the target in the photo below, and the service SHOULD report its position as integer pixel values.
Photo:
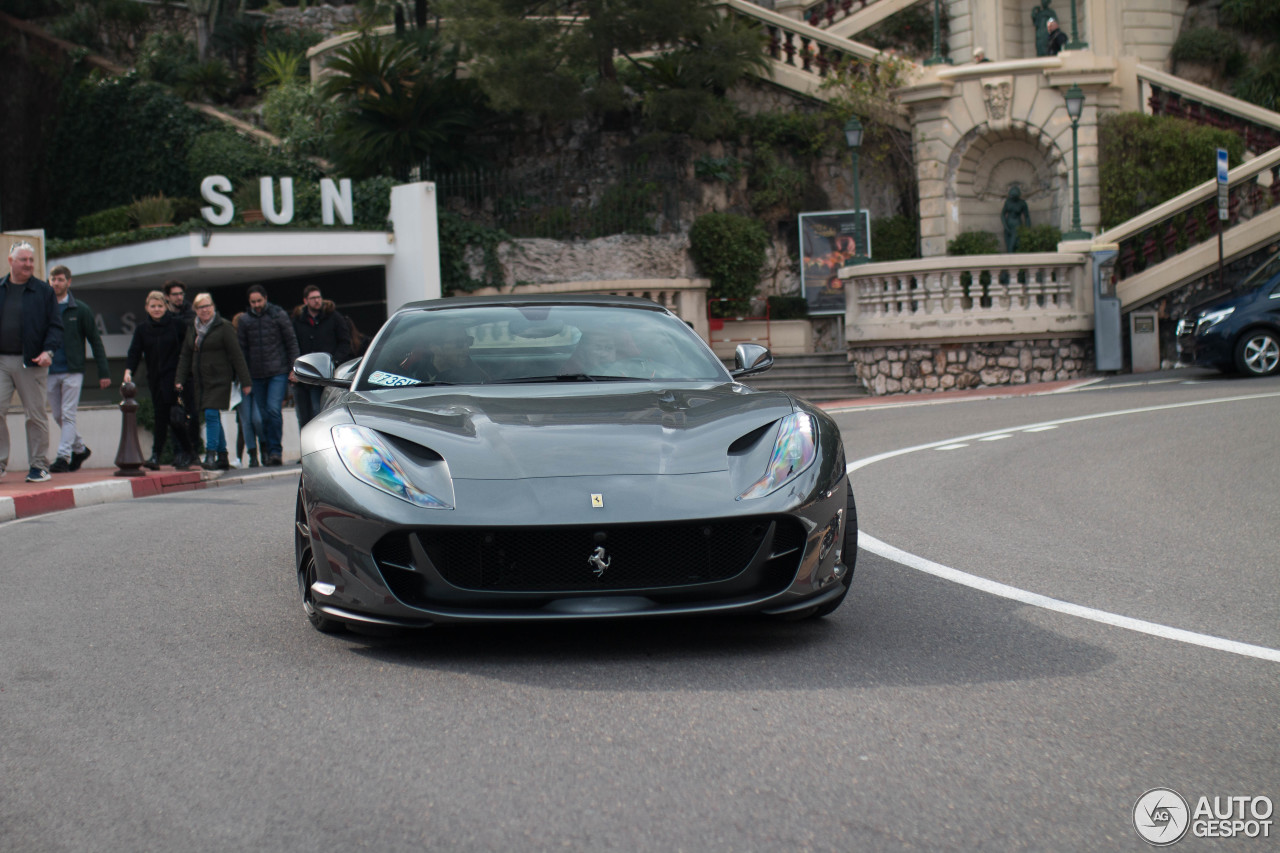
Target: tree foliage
(402, 105)
(116, 140)
(864, 89)
(567, 58)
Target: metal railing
(1173, 96)
(1191, 218)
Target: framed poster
(829, 241)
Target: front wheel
(848, 556)
(1258, 353)
(307, 574)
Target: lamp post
(937, 58)
(1075, 43)
(1075, 106)
(853, 138)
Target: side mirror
(750, 359)
(316, 368)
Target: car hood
(510, 432)
(1234, 300)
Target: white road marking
(952, 447)
(897, 555)
(996, 437)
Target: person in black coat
(270, 347)
(319, 328)
(158, 342)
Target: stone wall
(946, 367)
(327, 20)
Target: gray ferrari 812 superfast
(579, 457)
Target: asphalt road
(161, 690)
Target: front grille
(722, 555)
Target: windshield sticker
(390, 380)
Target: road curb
(125, 488)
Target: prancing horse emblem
(600, 560)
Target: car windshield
(537, 343)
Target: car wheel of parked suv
(1258, 352)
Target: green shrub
(724, 169)
(730, 250)
(456, 235)
(279, 67)
(164, 57)
(894, 238)
(788, 308)
(973, 243)
(152, 210)
(1147, 160)
(209, 81)
(1260, 82)
(109, 221)
(239, 158)
(1210, 46)
(1039, 238)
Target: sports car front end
(536, 500)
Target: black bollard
(129, 455)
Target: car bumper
(674, 546)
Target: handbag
(177, 416)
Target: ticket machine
(1108, 349)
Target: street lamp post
(853, 138)
(1075, 43)
(937, 58)
(1075, 107)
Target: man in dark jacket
(319, 328)
(175, 294)
(30, 333)
(270, 346)
(66, 374)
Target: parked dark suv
(1240, 332)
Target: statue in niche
(1040, 18)
(1014, 213)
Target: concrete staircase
(818, 377)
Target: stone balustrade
(967, 297)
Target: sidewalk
(89, 486)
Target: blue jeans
(267, 427)
(214, 440)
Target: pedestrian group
(197, 365)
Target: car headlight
(371, 460)
(1213, 318)
(794, 450)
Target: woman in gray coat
(211, 357)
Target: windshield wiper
(555, 377)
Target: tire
(1258, 352)
(848, 555)
(306, 564)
